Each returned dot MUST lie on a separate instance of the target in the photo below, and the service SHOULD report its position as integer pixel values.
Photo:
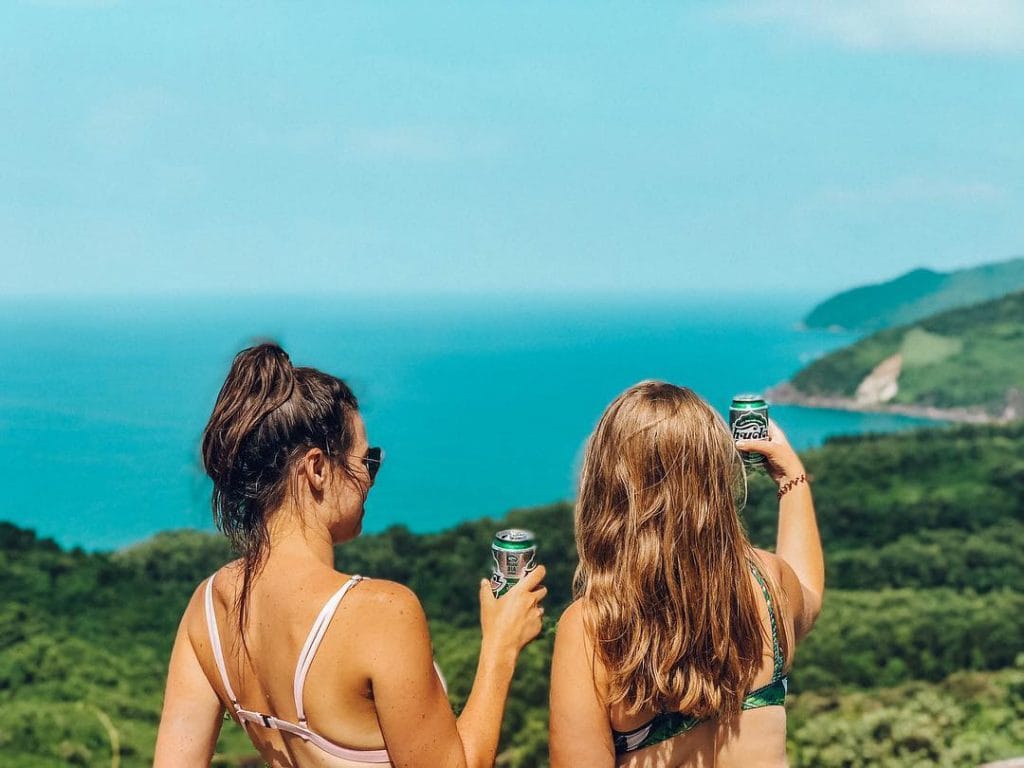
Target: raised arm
(416, 719)
(798, 543)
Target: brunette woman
(675, 652)
(320, 667)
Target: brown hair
(267, 415)
(664, 560)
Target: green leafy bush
(923, 532)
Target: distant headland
(960, 365)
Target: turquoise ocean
(482, 405)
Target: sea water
(482, 405)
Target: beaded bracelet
(786, 487)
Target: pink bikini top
(316, 635)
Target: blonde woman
(676, 650)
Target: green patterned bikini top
(665, 725)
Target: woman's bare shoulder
(771, 562)
(573, 634)
(194, 618)
(382, 591)
(792, 603)
(572, 617)
(578, 676)
(380, 601)
(781, 571)
(385, 621)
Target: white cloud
(953, 26)
(126, 118)
(911, 189)
(403, 143)
(422, 143)
(78, 4)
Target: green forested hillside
(916, 295)
(917, 659)
(969, 357)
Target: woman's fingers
(485, 591)
(776, 442)
(782, 459)
(766, 447)
(530, 581)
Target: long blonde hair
(664, 561)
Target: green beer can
(514, 552)
(748, 418)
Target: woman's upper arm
(580, 732)
(415, 716)
(192, 712)
(804, 604)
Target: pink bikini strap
(218, 654)
(313, 640)
(366, 756)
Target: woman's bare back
(284, 603)
(755, 739)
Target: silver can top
(514, 535)
(748, 397)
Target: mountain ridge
(915, 295)
(964, 364)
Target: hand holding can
(748, 419)
(511, 621)
(514, 552)
(781, 461)
(513, 611)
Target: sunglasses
(372, 460)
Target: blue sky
(527, 147)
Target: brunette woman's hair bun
(260, 381)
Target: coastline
(787, 394)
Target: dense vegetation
(915, 296)
(918, 658)
(972, 356)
